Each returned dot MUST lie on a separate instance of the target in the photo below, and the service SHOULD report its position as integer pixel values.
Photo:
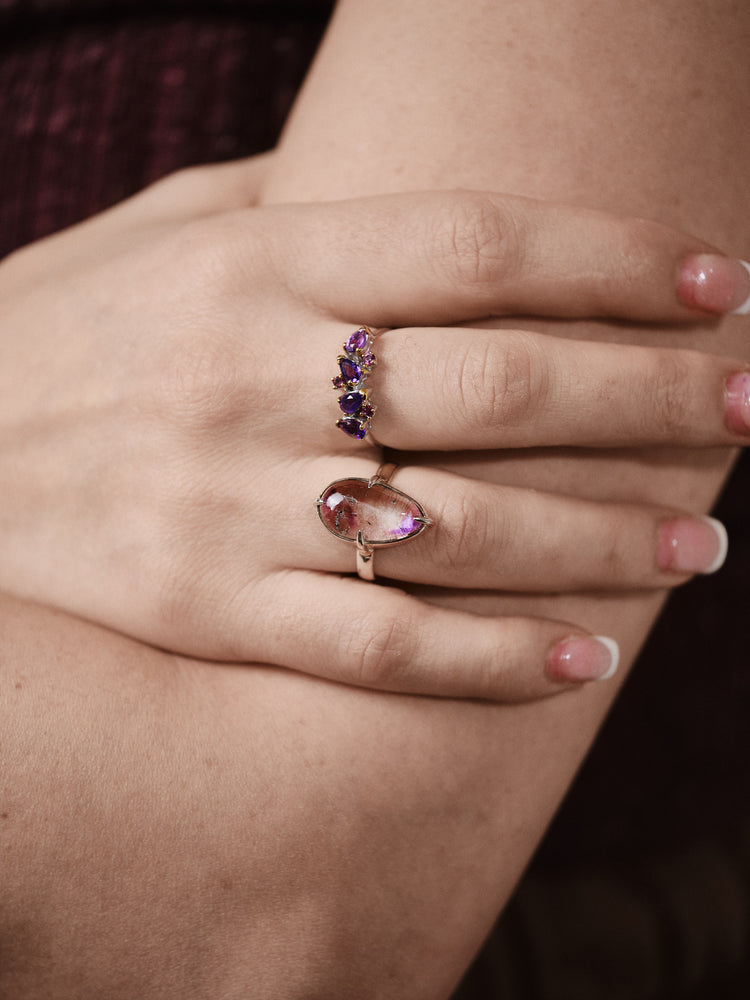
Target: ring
(371, 513)
(355, 364)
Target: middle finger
(456, 389)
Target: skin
(430, 808)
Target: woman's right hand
(167, 423)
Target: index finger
(443, 257)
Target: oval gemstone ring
(371, 513)
(355, 364)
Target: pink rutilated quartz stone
(383, 514)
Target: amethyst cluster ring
(355, 364)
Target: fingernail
(738, 403)
(715, 284)
(692, 545)
(583, 658)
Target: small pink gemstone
(383, 514)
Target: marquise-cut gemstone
(351, 402)
(353, 427)
(357, 341)
(383, 514)
(350, 370)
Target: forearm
(639, 108)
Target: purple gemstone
(367, 411)
(339, 382)
(352, 427)
(357, 341)
(368, 360)
(351, 371)
(351, 402)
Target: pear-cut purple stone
(350, 370)
(351, 402)
(352, 427)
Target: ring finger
(485, 536)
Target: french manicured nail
(716, 284)
(738, 403)
(583, 658)
(692, 545)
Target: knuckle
(638, 250)
(478, 241)
(615, 559)
(468, 527)
(203, 387)
(504, 383)
(383, 658)
(524, 382)
(200, 250)
(669, 402)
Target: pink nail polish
(583, 658)
(738, 403)
(691, 545)
(711, 283)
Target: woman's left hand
(167, 423)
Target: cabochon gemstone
(383, 514)
(351, 402)
(357, 341)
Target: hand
(167, 423)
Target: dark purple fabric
(94, 108)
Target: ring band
(371, 513)
(355, 364)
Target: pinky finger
(356, 633)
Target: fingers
(456, 389)
(356, 633)
(430, 258)
(492, 537)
